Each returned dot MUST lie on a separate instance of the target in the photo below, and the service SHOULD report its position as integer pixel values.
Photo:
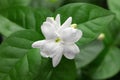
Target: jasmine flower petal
(39, 44)
(51, 48)
(50, 20)
(70, 51)
(57, 19)
(48, 30)
(70, 34)
(44, 54)
(56, 59)
(67, 23)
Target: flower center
(74, 25)
(57, 40)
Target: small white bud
(101, 36)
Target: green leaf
(7, 27)
(18, 61)
(106, 65)
(7, 3)
(96, 2)
(112, 33)
(88, 53)
(66, 70)
(49, 4)
(90, 19)
(117, 42)
(26, 17)
(62, 72)
(114, 6)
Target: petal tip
(38, 44)
(58, 14)
(70, 18)
(33, 45)
(54, 64)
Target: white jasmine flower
(59, 39)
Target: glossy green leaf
(112, 33)
(117, 42)
(26, 17)
(88, 53)
(66, 70)
(114, 6)
(7, 27)
(106, 65)
(91, 19)
(19, 61)
(7, 3)
(96, 2)
(62, 72)
(49, 4)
